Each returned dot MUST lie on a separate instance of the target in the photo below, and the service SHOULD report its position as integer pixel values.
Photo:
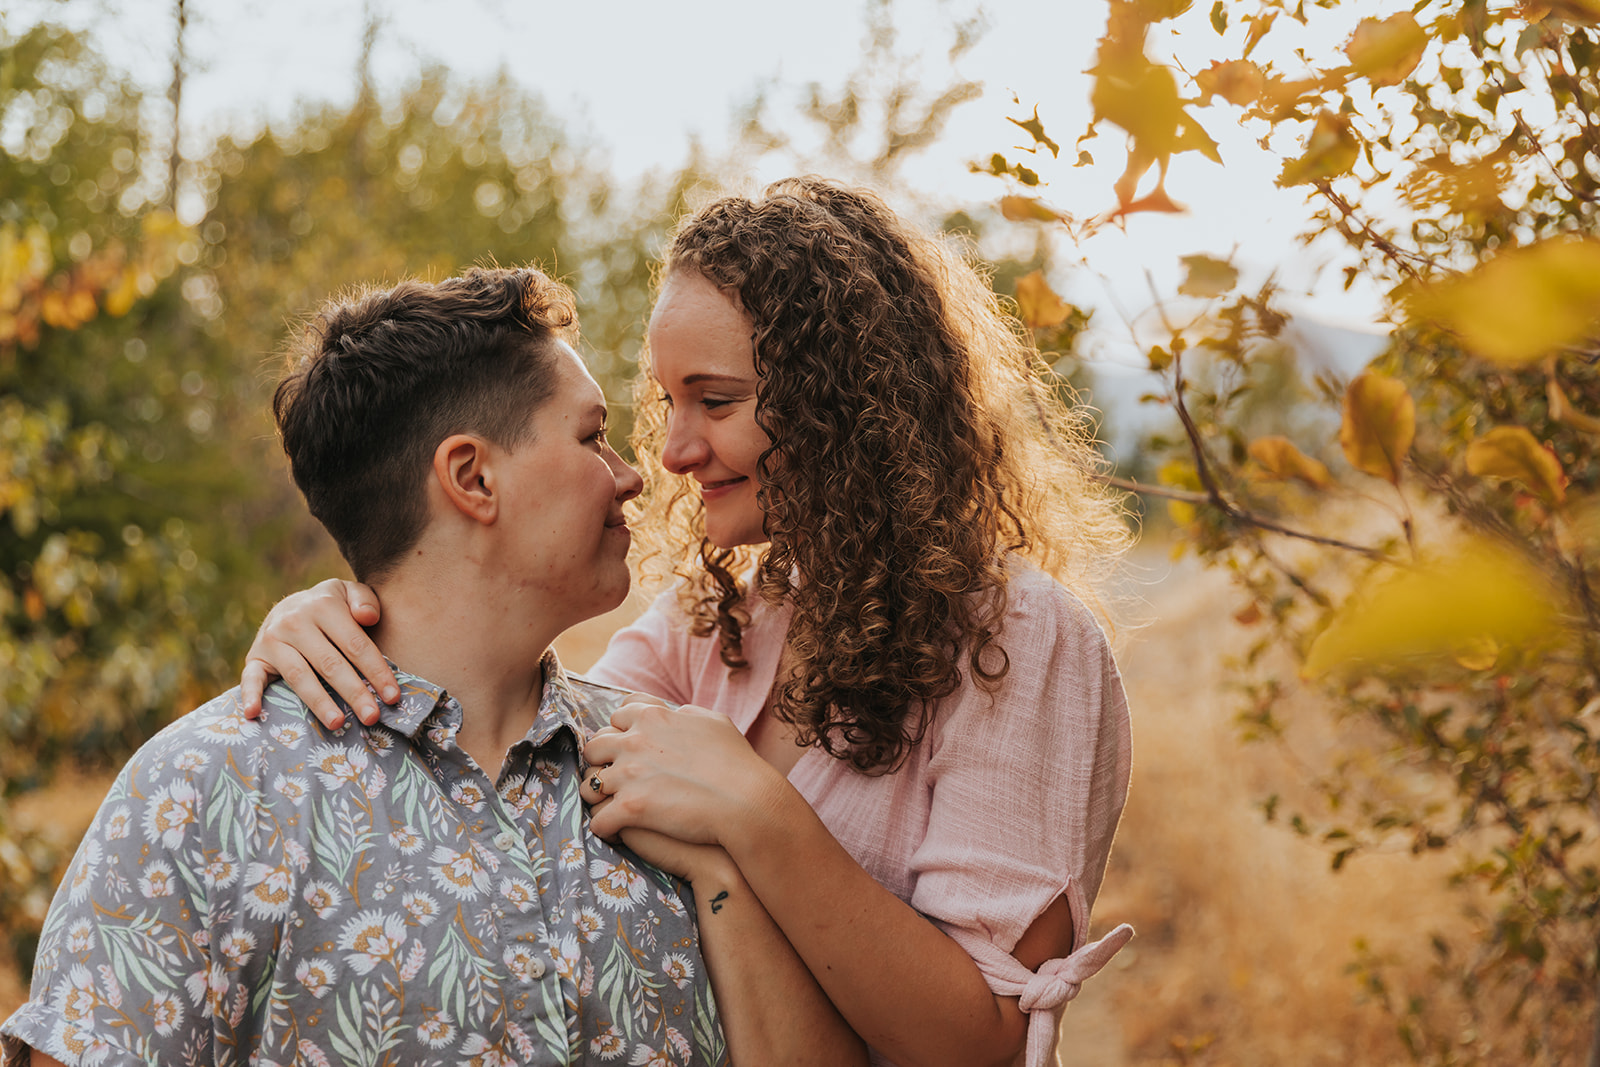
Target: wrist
(714, 873)
(772, 811)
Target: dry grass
(1244, 933)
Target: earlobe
(462, 468)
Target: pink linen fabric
(1010, 800)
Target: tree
(145, 517)
(1432, 576)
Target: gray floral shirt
(276, 893)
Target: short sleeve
(1027, 787)
(113, 975)
(651, 655)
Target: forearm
(773, 1011)
(910, 991)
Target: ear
(463, 468)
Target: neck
(476, 641)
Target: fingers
(362, 601)
(299, 676)
(600, 821)
(347, 659)
(592, 787)
(252, 683)
(635, 707)
(336, 611)
(603, 748)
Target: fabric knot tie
(1058, 981)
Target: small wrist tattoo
(716, 901)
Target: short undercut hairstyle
(378, 379)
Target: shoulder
(1057, 678)
(1042, 615)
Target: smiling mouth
(712, 487)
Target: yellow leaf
(1181, 512)
(1139, 96)
(1330, 152)
(1523, 304)
(1279, 457)
(1380, 421)
(1450, 607)
(1238, 81)
(1513, 452)
(1206, 276)
(1026, 209)
(1040, 306)
(1259, 26)
(1385, 51)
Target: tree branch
(1213, 492)
(1396, 255)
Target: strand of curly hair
(917, 446)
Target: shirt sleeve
(121, 974)
(1028, 784)
(651, 655)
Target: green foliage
(145, 518)
(1432, 576)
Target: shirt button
(505, 840)
(536, 969)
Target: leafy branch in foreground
(1436, 595)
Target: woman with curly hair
(891, 708)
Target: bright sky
(641, 77)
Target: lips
(712, 490)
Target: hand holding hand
(686, 772)
(317, 635)
(690, 862)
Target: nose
(629, 483)
(685, 448)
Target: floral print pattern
(279, 893)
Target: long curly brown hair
(917, 445)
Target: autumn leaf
(1040, 306)
(1026, 209)
(1385, 51)
(1238, 81)
(1279, 457)
(1260, 25)
(1380, 421)
(1522, 304)
(1207, 276)
(1035, 129)
(1330, 152)
(1455, 607)
(1513, 452)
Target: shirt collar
(559, 704)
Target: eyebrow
(695, 379)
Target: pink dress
(1010, 800)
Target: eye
(711, 403)
(599, 436)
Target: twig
(1213, 492)
(1533, 139)
(1188, 496)
(1394, 252)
